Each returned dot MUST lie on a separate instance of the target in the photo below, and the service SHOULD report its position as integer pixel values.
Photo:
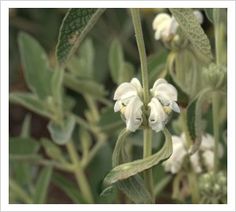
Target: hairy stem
(79, 173)
(147, 151)
(142, 53)
(147, 138)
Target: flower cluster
(203, 158)
(165, 26)
(128, 98)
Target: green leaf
(61, 133)
(194, 32)
(209, 14)
(75, 26)
(116, 59)
(42, 185)
(126, 170)
(134, 186)
(126, 73)
(84, 86)
(52, 150)
(194, 120)
(69, 188)
(35, 65)
(22, 147)
(31, 102)
(83, 64)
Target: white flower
(129, 104)
(166, 26)
(163, 101)
(206, 152)
(174, 163)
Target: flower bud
(215, 75)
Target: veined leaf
(76, 24)
(42, 185)
(126, 170)
(36, 66)
(31, 102)
(194, 32)
(194, 120)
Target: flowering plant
(166, 126)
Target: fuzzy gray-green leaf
(76, 24)
(35, 65)
(31, 102)
(194, 32)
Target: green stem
(215, 111)
(147, 138)
(215, 97)
(193, 184)
(147, 151)
(142, 53)
(79, 173)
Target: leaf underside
(76, 24)
(194, 32)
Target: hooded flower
(203, 158)
(162, 103)
(166, 26)
(128, 102)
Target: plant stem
(215, 110)
(147, 151)
(215, 98)
(147, 133)
(79, 173)
(142, 53)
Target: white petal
(175, 107)
(199, 16)
(167, 91)
(133, 114)
(160, 18)
(117, 106)
(157, 35)
(175, 161)
(207, 143)
(135, 82)
(158, 117)
(173, 26)
(195, 162)
(208, 158)
(125, 90)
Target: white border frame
(5, 5)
